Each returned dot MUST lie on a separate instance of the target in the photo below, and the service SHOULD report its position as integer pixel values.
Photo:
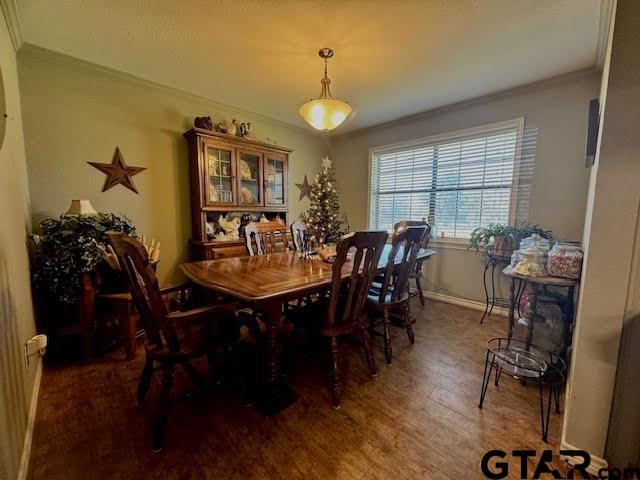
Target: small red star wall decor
(304, 188)
(118, 172)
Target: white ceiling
(393, 58)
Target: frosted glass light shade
(325, 113)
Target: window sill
(451, 244)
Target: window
(459, 181)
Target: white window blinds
(458, 182)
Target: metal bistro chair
(391, 297)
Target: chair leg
(368, 351)
(336, 372)
(419, 287)
(145, 380)
(215, 359)
(193, 375)
(407, 323)
(160, 426)
(387, 336)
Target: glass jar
(565, 260)
(535, 241)
(515, 258)
(532, 263)
(548, 327)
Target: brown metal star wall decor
(118, 172)
(304, 188)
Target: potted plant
(68, 248)
(505, 238)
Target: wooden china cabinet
(233, 174)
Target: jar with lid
(532, 263)
(565, 260)
(548, 327)
(535, 241)
(515, 257)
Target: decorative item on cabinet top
(203, 122)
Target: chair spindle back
(145, 290)
(347, 301)
(406, 244)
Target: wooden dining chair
(346, 313)
(269, 237)
(298, 232)
(416, 274)
(171, 338)
(391, 297)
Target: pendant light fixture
(325, 113)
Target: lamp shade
(81, 207)
(325, 113)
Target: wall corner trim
(23, 470)
(10, 12)
(596, 462)
(30, 50)
(604, 25)
(524, 89)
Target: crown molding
(36, 52)
(511, 92)
(607, 7)
(10, 12)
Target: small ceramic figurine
(221, 127)
(233, 128)
(230, 227)
(211, 230)
(243, 129)
(263, 219)
(247, 131)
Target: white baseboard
(28, 436)
(596, 462)
(464, 302)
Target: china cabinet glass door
(275, 172)
(220, 175)
(249, 178)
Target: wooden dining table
(267, 282)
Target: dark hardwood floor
(418, 419)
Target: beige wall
(555, 113)
(609, 288)
(16, 315)
(76, 112)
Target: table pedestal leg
(275, 395)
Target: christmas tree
(323, 217)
